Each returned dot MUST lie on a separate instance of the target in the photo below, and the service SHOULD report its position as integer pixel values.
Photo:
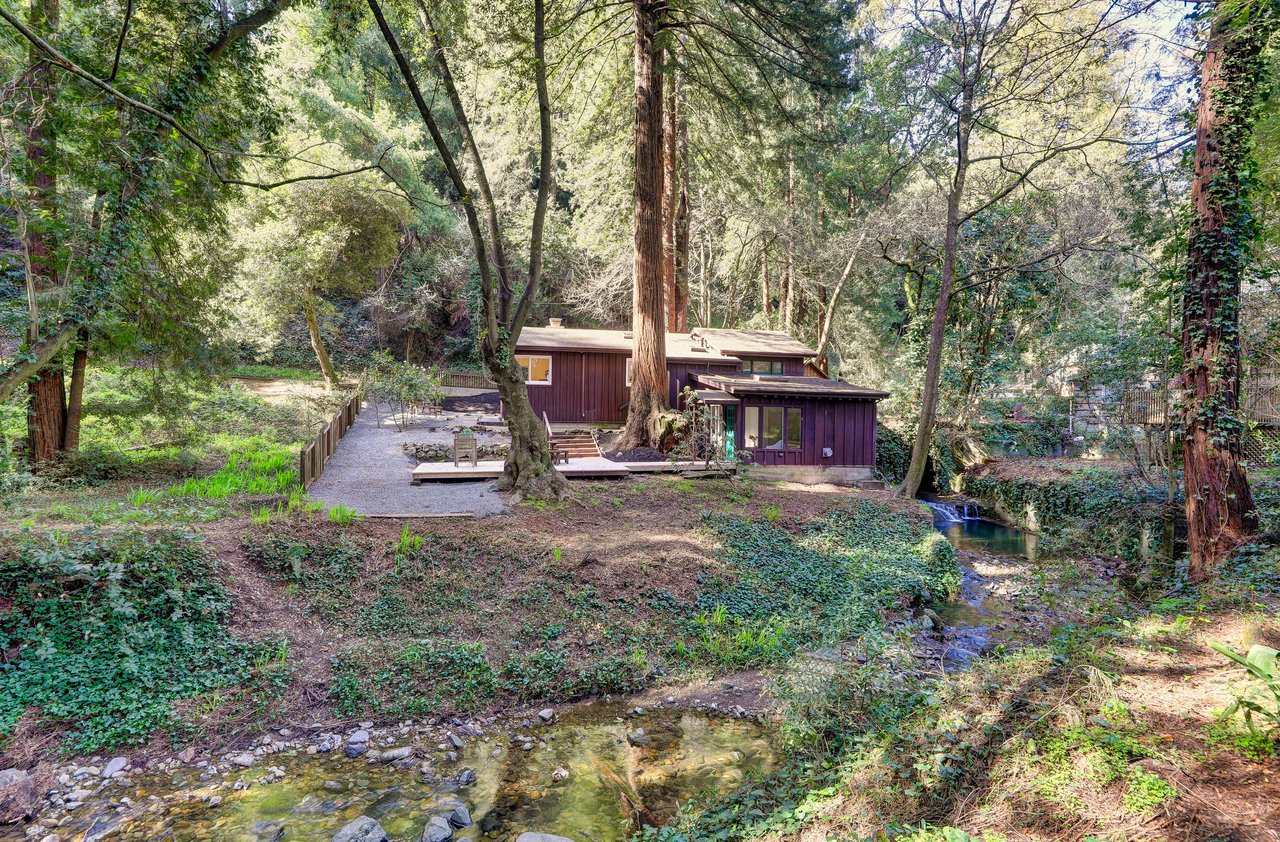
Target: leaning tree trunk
(938, 329)
(649, 355)
(46, 394)
(1220, 512)
(75, 393)
(317, 344)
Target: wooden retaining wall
(316, 452)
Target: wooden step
(577, 445)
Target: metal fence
(316, 452)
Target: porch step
(577, 445)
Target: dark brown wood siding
(847, 426)
(679, 372)
(585, 387)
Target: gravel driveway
(369, 472)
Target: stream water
(590, 777)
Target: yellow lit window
(537, 370)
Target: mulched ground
(486, 403)
(637, 454)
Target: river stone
(393, 754)
(437, 830)
(455, 740)
(541, 837)
(361, 736)
(17, 795)
(245, 759)
(354, 750)
(546, 714)
(363, 829)
(466, 777)
(460, 817)
(116, 764)
(638, 737)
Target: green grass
(262, 371)
(111, 629)
(257, 471)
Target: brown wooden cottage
(771, 406)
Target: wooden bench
(464, 447)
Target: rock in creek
(363, 829)
(638, 737)
(437, 830)
(17, 795)
(460, 817)
(356, 749)
(541, 837)
(116, 764)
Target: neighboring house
(768, 403)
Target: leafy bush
(893, 454)
(110, 630)
(403, 389)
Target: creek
(594, 774)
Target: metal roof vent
(555, 323)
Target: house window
(762, 366)
(537, 370)
(773, 427)
(628, 372)
(794, 426)
(772, 437)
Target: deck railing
(315, 453)
(468, 380)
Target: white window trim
(531, 358)
(629, 373)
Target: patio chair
(464, 447)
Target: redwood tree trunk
(46, 395)
(1220, 512)
(675, 210)
(75, 394)
(649, 368)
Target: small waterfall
(953, 512)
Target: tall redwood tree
(1220, 512)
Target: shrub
(893, 454)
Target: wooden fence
(468, 380)
(316, 452)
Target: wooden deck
(582, 468)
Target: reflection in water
(611, 785)
(984, 535)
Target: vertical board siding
(847, 426)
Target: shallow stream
(590, 777)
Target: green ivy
(110, 629)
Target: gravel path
(369, 472)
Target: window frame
(761, 414)
(629, 372)
(776, 367)
(528, 368)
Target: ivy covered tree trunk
(1220, 512)
(649, 350)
